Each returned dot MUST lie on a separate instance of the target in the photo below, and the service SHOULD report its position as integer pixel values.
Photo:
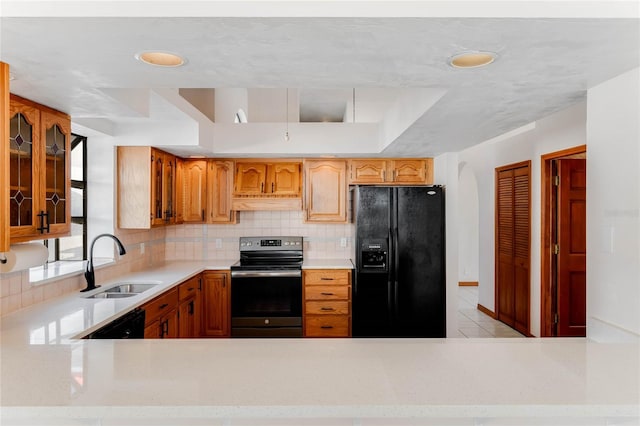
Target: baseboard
(486, 311)
(468, 283)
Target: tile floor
(474, 323)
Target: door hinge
(555, 318)
(556, 180)
(556, 249)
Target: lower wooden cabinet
(327, 302)
(161, 316)
(189, 308)
(216, 300)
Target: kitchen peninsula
(51, 377)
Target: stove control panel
(270, 243)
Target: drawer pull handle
(326, 294)
(191, 288)
(326, 279)
(326, 326)
(164, 305)
(324, 308)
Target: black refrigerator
(399, 287)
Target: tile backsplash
(185, 242)
(199, 242)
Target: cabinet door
(368, 171)
(195, 190)
(187, 318)
(220, 184)
(409, 171)
(157, 178)
(153, 330)
(169, 329)
(250, 179)
(56, 137)
(169, 189)
(24, 132)
(284, 179)
(180, 190)
(215, 302)
(325, 191)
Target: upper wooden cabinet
(391, 171)
(39, 185)
(325, 191)
(146, 188)
(220, 188)
(4, 158)
(192, 191)
(267, 186)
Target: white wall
(561, 130)
(613, 209)
(468, 231)
(446, 173)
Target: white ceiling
(547, 58)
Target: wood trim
(486, 311)
(468, 283)
(4, 158)
(546, 294)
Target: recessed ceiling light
(161, 59)
(472, 59)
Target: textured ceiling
(543, 65)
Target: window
(74, 247)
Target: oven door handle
(259, 274)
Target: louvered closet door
(513, 245)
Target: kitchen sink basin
(130, 288)
(107, 295)
(122, 290)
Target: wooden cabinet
(325, 191)
(192, 191)
(327, 306)
(39, 185)
(146, 187)
(219, 190)
(4, 158)
(161, 316)
(391, 171)
(216, 302)
(189, 308)
(267, 186)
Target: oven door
(266, 303)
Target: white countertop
(48, 376)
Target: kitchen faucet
(88, 274)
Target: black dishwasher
(128, 326)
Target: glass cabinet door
(23, 127)
(169, 188)
(56, 136)
(157, 168)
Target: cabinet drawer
(188, 288)
(326, 326)
(327, 292)
(327, 277)
(160, 305)
(332, 307)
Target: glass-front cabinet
(39, 139)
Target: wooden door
(409, 171)
(195, 190)
(250, 179)
(187, 319)
(572, 248)
(180, 191)
(215, 302)
(169, 189)
(285, 179)
(220, 188)
(56, 184)
(368, 171)
(4, 158)
(513, 245)
(157, 176)
(24, 188)
(325, 191)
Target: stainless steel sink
(107, 295)
(129, 288)
(121, 290)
